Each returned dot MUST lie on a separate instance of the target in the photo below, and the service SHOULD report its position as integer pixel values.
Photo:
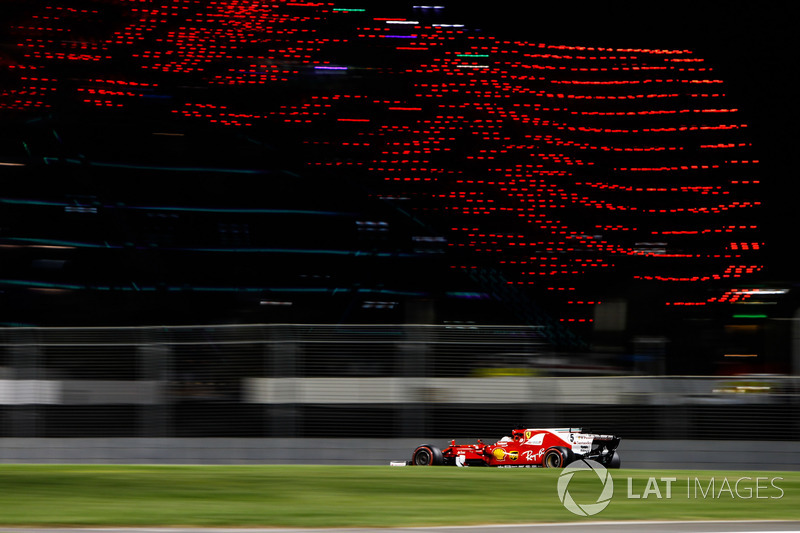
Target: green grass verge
(325, 496)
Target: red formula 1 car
(526, 448)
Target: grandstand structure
(300, 161)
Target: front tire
(557, 457)
(427, 455)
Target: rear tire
(427, 455)
(557, 457)
(614, 461)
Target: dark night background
(753, 49)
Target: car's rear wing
(604, 444)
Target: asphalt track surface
(760, 526)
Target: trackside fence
(355, 381)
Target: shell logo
(500, 454)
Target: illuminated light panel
(556, 158)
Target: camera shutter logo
(589, 509)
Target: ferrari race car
(525, 448)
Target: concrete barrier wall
(680, 454)
(711, 454)
(606, 390)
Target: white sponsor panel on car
(536, 440)
(581, 443)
